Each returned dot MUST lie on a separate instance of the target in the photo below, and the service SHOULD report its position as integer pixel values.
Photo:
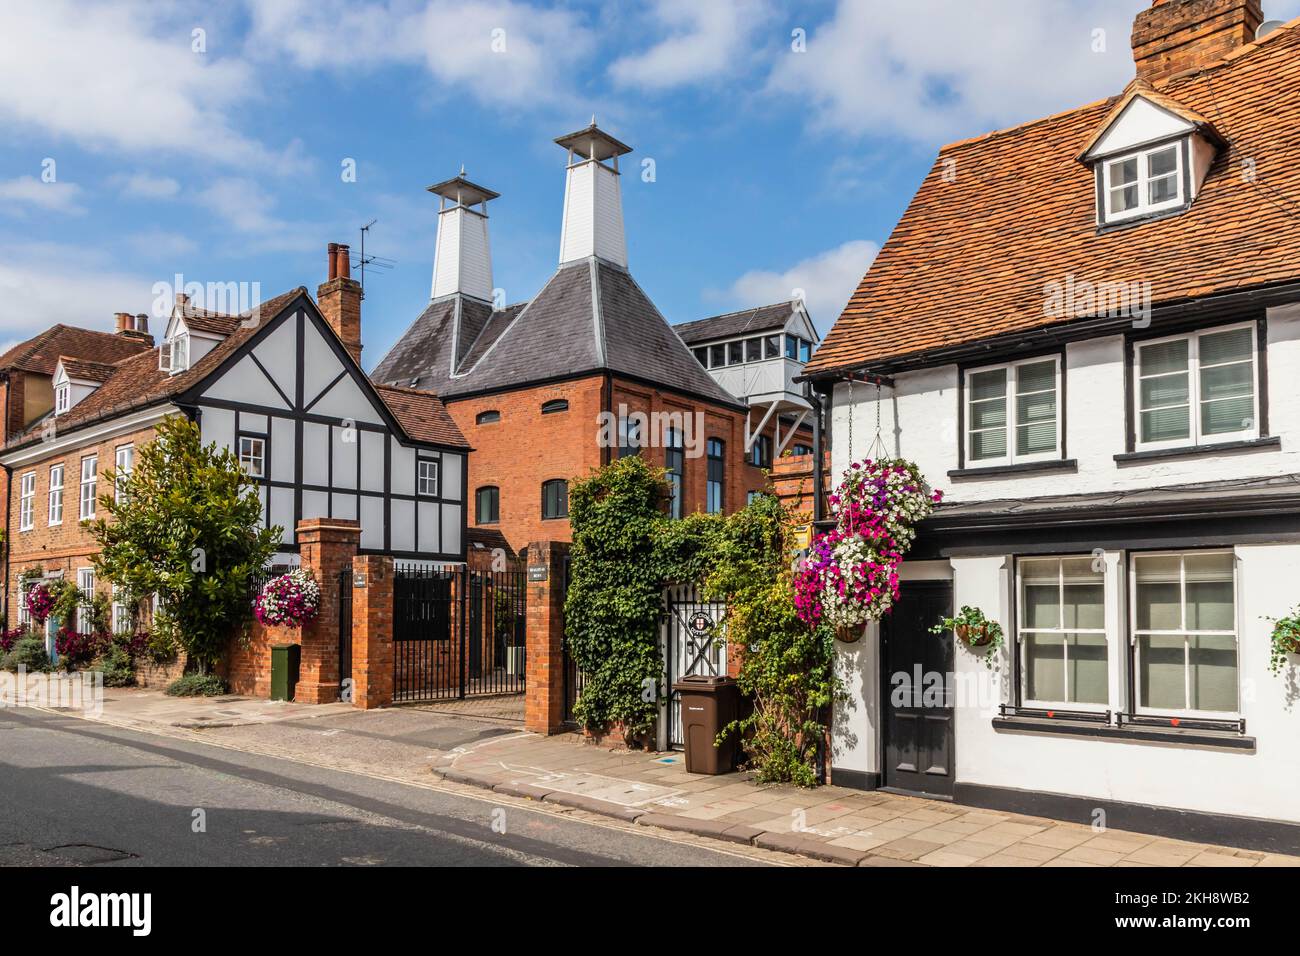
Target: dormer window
(179, 353)
(1143, 183)
(62, 398)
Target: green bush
(117, 667)
(30, 653)
(197, 685)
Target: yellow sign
(802, 537)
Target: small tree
(185, 529)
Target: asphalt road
(76, 793)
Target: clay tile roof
(203, 320)
(41, 353)
(1141, 88)
(137, 382)
(84, 370)
(973, 258)
(422, 415)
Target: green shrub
(30, 653)
(197, 685)
(117, 667)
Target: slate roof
(40, 354)
(763, 318)
(137, 382)
(590, 316)
(970, 258)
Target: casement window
(1062, 633)
(426, 484)
(89, 480)
(487, 505)
(85, 611)
(123, 463)
(56, 495)
(760, 452)
(554, 406)
(252, 455)
(179, 357)
(487, 418)
(62, 399)
(771, 346)
(1196, 389)
(675, 463)
(630, 439)
(27, 502)
(1142, 183)
(701, 356)
(1184, 627)
(555, 498)
(716, 451)
(717, 356)
(1013, 413)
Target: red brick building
(549, 389)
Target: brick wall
(66, 546)
(525, 448)
(544, 656)
(1172, 36)
(792, 481)
(372, 631)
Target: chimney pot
(331, 252)
(339, 300)
(142, 323)
(344, 262)
(123, 320)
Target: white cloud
(50, 197)
(158, 244)
(122, 75)
(246, 207)
(500, 51)
(704, 40)
(147, 186)
(827, 280)
(942, 69)
(48, 283)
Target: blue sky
(774, 167)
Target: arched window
(555, 498)
(487, 505)
(717, 466)
(556, 405)
(488, 417)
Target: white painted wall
(463, 259)
(593, 215)
(919, 422)
(1141, 122)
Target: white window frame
(1195, 438)
(1136, 646)
(1144, 207)
(86, 585)
(56, 496)
(27, 501)
(426, 480)
(1012, 423)
(88, 488)
(121, 613)
(178, 362)
(250, 456)
(24, 615)
(62, 398)
(121, 472)
(1022, 630)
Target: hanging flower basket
(976, 635)
(290, 600)
(850, 576)
(974, 630)
(1285, 640)
(848, 635)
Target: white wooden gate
(689, 634)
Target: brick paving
(830, 823)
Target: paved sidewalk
(830, 823)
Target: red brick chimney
(339, 299)
(1173, 36)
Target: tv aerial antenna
(382, 263)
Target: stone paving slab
(830, 824)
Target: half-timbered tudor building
(282, 387)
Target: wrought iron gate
(345, 634)
(691, 630)
(457, 633)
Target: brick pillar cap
(310, 525)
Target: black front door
(918, 691)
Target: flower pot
(849, 634)
(973, 636)
(1291, 645)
